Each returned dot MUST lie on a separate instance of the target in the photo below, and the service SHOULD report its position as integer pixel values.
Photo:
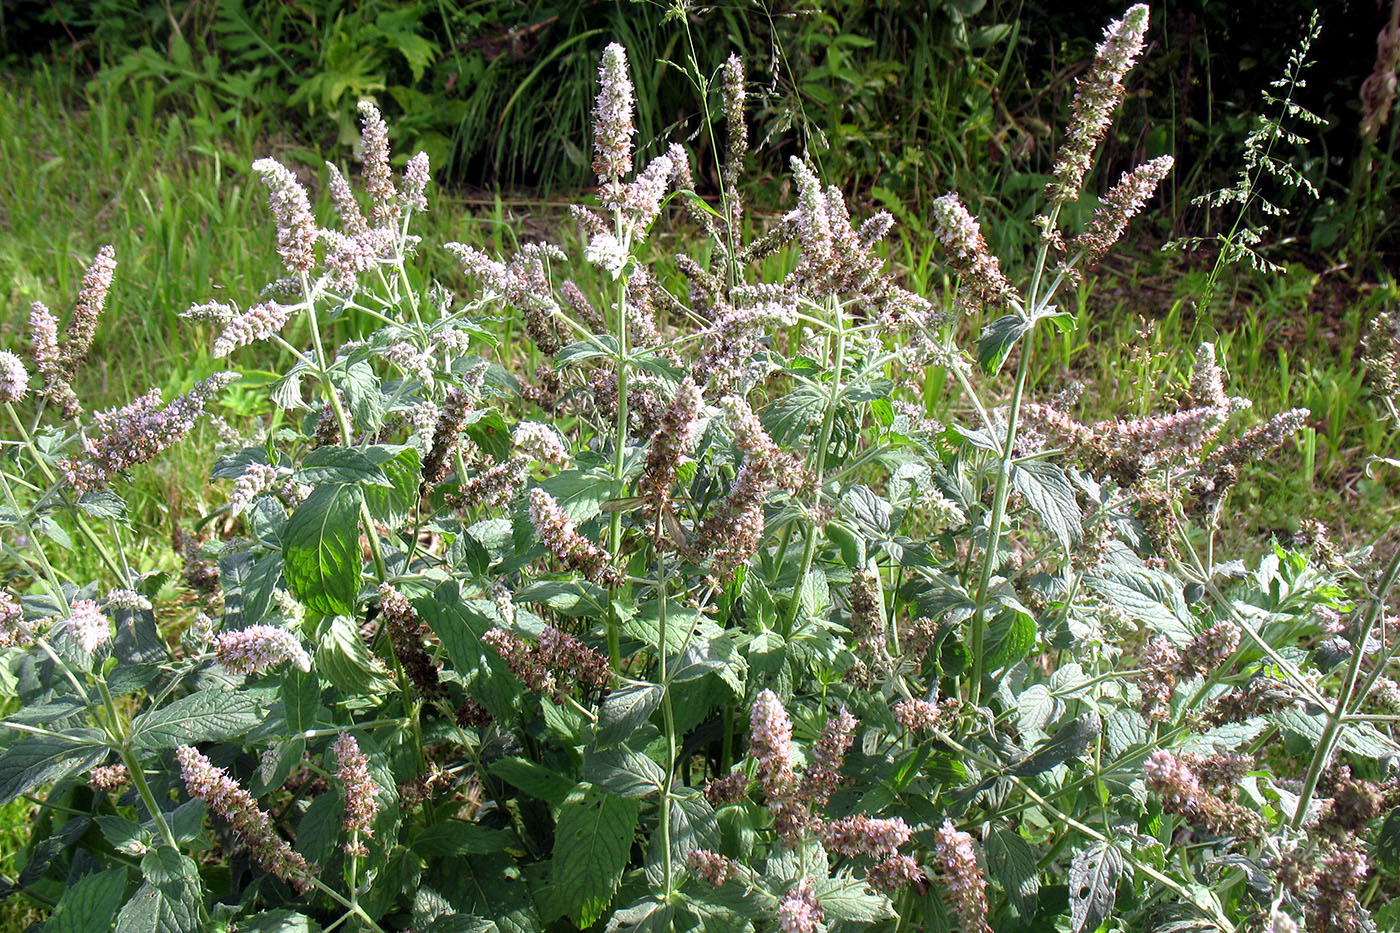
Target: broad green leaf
(1050, 495)
(487, 428)
(1387, 840)
(392, 502)
(259, 586)
(1010, 637)
(343, 658)
(340, 465)
(624, 772)
(455, 837)
(792, 415)
(1069, 741)
(34, 760)
(207, 716)
(90, 904)
(301, 699)
(1151, 597)
(321, 550)
(1093, 885)
(460, 627)
(361, 388)
(103, 503)
(625, 710)
(169, 901)
(534, 779)
(997, 339)
(1012, 863)
(592, 841)
(849, 898)
(279, 921)
(581, 493)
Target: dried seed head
(612, 117)
(406, 634)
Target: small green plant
(700, 621)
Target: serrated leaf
(1050, 495)
(849, 898)
(592, 840)
(455, 837)
(33, 760)
(343, 658)
(403, 467)
(279, 921)
(1151, 598)
(321, 550)
(1012, 862)
(90, 904)
(1069, 741)
(207, 716)
(259, 586)
(1387, 840)
(103, 503)
(1010, 637)
(534, 779)
(487, 428)
(997, 339)
(624, 772)
(792, 415)
(1036, 708)
(625, 710)
(582, 493)
(1093, 886)
(344, 465)
(361, 388)
(169, 901)
(301, 699)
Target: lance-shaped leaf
(1093, 885)
(592, 840)
(321, 550)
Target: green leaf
(792, 415)
(259, 586)
(321, 550)
(848, 898)
(103, 503)
(1010, 637)
(1387, 841)
(33, 760)
(392, 502)
(1050, 495)
(581, 493)
(361, 388)
(997, 339)
(1069, 741)
(344, 659)
(460, 627)
(1012, 862)
(301, 699)
(345, 465)
(534, 779)
(455, 837)
(624, 772)
(1150, 597)
(279, 921)
(169, 901)
(90, 904)
(487, 427)
(625, 710)
(592, 840)
(207, 716)
(1093, 886)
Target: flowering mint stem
(666, 711)
(619, 448)
(49, 476)
(809, 548)
(1338, 714)
(1003, 488)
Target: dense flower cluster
(259, 648)
(561, 538)
(406, 634)
(137, 432)
(360, 790)
(1181, 792)
(204, 781)
(799, 912)
(554, 665)
(966, 889)
(87, 625)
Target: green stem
(619, 447)
(1335, 718)
(809, 547)
(667, 713)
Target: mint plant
(701, 622)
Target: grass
(173, 194)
